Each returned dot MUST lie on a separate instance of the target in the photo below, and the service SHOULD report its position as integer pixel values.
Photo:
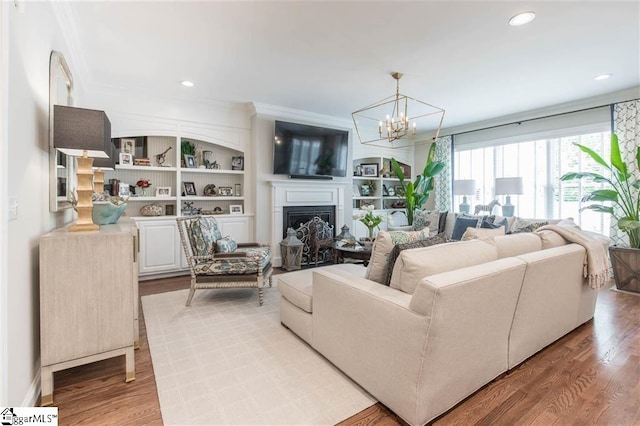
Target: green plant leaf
(584, 175)
(434, 168)
(602, 195)
(397, 169)
(628, 224)
(596, 157)
(598, 208)
(616, 158)
(636, 184)
(638, 157)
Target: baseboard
(31, 398)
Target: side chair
(217, 262)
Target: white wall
(33, 33)
(262, 130)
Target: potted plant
(417, 193)
(369, 219)
(624, 192)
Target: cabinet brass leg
(131, 366)
(46, 386)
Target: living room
(299, 62)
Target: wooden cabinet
(160, 249)
(88, 299)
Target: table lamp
(464, 187)
(85, 134)
(101, 164)
(508, 186)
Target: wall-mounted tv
(302, 151)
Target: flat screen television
(302, 151)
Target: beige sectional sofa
(460, 315)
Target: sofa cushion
(297, 288)
(516, 244)
(482, 233)
(376, 271)
(398, 248)
(442, 221)
(520, 227)
(413, 265)
(204, 233)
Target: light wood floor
(590, 376)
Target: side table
(340, 253)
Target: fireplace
(301, 218)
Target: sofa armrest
(368, 331)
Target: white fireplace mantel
(285, 193)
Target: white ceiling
(335, 57)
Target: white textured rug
(227, 360)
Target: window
(540, 163)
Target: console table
(88, 299)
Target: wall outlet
(13, 208)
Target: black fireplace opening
(297, 217)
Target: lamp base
(508, 210)
(464, 208)
(83, 227)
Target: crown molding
(296, 114)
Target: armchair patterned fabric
(248, 266)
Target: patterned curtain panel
(626, 124)
(442, 186)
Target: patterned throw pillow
(383, 245)
(424, 218)
(395, 252)
(529, 227)
(493, 225)
(226, 245)
(482, 233)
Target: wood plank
(591, 375)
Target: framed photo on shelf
(237, 191)
(235, 209)
(125, 159)
(190, 161)
(355, 190)
(370, 170)
(365, 190)
(123, 190)
(225, 191)
(169, 210)
(127, 145)
(163, 191)
(189, 188)
(237, 163)
(391, 191)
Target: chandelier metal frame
(387, 123)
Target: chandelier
(398, 121)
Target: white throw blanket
(596, 266)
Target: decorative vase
(106, 213)
(625, 262)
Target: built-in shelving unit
(174, 174)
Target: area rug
(226, 360)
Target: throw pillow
(203, 233)
(395, 252)
(226, 245)
(493, 225)
(442, 221)
(461, 225)
(423, 219)
(482, 233)
(383, 245)
(528, 227)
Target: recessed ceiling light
(187, 83)
(602, 77)
(522, 18)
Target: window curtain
(626, 124)
(442, 186)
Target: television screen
(309, 151)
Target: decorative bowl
(151, 210)
(106, 213)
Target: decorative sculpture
(162, 157)
(486, 207)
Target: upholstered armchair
(219, 262)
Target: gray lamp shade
(108, 163)
(76, 130)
